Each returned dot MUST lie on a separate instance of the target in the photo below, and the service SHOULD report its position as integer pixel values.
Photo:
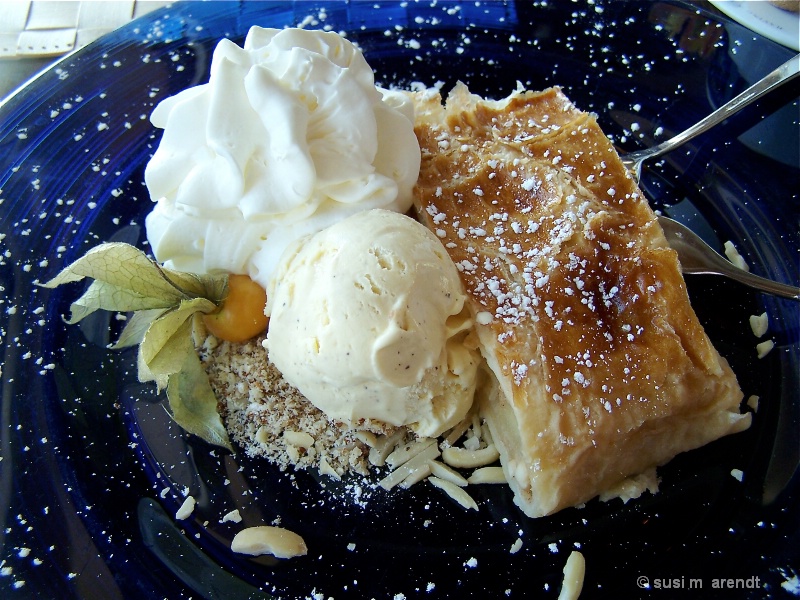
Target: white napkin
(38, 28)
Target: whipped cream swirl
(289, 136)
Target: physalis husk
(165, 304)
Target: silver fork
(786, 72)
(695, 255)
(698, 257)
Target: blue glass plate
(92, 471)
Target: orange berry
(241, 314)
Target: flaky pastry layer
(600, 369)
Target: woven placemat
(40, 28)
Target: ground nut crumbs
(259, 407)
(269, 418)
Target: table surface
(36, 33)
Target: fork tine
(697, 257)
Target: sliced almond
(369, 438)
(764, 348)
(416, 475)
(408, 451)
(574, 571)
(298, 439)
(759, 324)
(476, 425)
(264, 539)
(418, 462)
(486, 434)
(472, 442)
(325, 468)
(487, 475)
(457, 431)
(232, 516)
(186, 509)
(442, 471)
(293, 453)
(462, 458)
(384, 446)
(456, 493)
(262, 435)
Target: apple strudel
(599, 368)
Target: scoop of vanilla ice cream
(289, 135)
(368, 321)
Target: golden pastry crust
(601, 369)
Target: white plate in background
(777, 24)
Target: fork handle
(754, 281)
(787, 71)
